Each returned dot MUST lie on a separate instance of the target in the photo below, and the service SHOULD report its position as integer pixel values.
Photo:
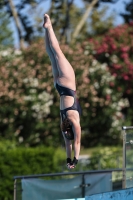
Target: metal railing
(83, 185)
(120, 178)
(125, 152)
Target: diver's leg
(66, 72)
(52, 58)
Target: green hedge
(15, 161)
(25, 161)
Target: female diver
(64, 82)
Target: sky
(113, 8)
(117, 7)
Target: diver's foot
(47, 22)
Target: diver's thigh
(64, 67)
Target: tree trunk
(16, 18)
(84, 18)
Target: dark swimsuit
(68, 92)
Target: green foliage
(16, 161)
(128, 13)
(65, 17)
(6, 145)
(106, 158)
(23, 161)
(100, 22)
(5, 30)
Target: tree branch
(84, 18)
(16, 18)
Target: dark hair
(66, 127)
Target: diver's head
(66, 128)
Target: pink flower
(117, 66)
(100, 50)
(131, 23)
(115, 75)
(130, 67)
(124, 56)
(108, 97)
(113, 47)
(111, 84)
(125, 77)
(127, 61)
(125, 49)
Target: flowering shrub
(115, 49)
(96, 98)
(29, 108)
(102, 106)
(25, 96)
